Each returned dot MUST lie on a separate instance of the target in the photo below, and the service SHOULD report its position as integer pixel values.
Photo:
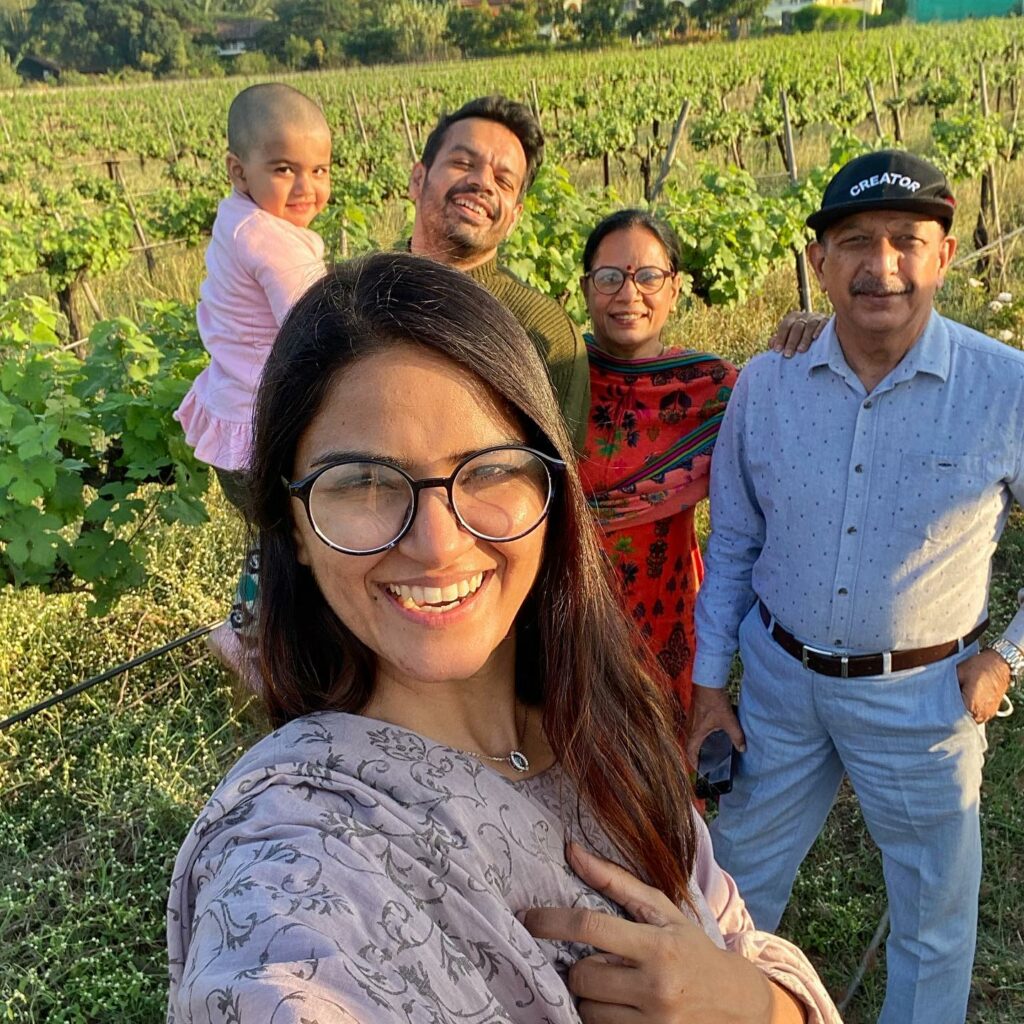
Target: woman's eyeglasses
(608, 280)
(363, 508)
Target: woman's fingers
(593, 978)
(625, 939)
(787, 334)
(796, 331)
(608, 1013)
(642, 902)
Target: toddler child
(261, 258)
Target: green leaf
(24, 490)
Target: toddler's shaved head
(257, 112)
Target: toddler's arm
(283, 264)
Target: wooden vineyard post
(136, 223)
(66, 299)
(174, 144)
(988, 178)
(734, 145)
(897, 122)
(7, 134)
(184, 121)
(606, 167)
(1015, 94)
(536, 101)
(408, 131)
(646, 162)
(874, 106)
(1014, 82)
(803, 285)
(359, 115)
(841, 73)
(670, 153)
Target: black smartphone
(715, 766)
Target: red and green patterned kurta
(645, 465)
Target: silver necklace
(515, 758)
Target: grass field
(100, 791)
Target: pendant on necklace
(519, 761)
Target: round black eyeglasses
(366, 507)
(608, 280)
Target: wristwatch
(1012, 655)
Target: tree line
(180, 37)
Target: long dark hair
(633, 218)
(606, 718)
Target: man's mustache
(879, 289)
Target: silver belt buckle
(844, 659)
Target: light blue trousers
(914, 757)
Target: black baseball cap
(889, 179)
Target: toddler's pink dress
(257, 266)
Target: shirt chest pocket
(938, 496)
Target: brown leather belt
(852, 665)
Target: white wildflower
(1005, 335)
(975, 283)
(1006, 297)
(995, 305)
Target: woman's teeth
(435, 599)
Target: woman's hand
(796, 331)
(659, 968)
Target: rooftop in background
(235, 35)
(231, 30)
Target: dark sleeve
(570, 375)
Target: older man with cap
(858, 493)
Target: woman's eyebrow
(351, 455)
(348, 455)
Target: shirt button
(839, 641)
(858, 468)
(868, 403)
(842, 591)
(851, 529)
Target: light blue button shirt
(865, 522)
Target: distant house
(783, 10)
(237, 35)
(39, 69)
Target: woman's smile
(435, 600)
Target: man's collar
(929, 354)
(484, 271)
(479, 273)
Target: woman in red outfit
(654, 417)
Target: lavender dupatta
(347, 870)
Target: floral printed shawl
(347, 870)
(652, 427)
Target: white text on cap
(885, 179)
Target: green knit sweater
(557, 339)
